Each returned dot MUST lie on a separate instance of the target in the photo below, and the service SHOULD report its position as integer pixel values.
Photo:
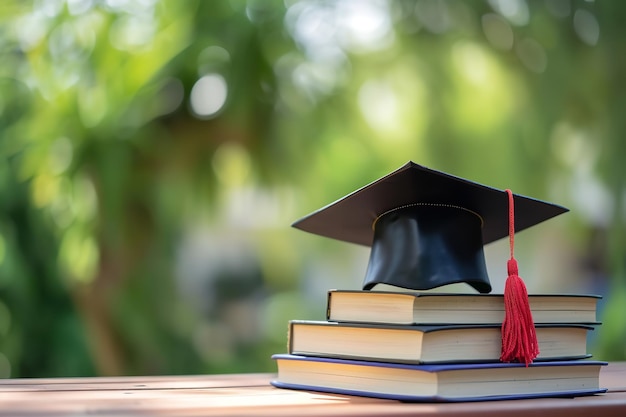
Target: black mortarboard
(426, 228)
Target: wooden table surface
(251, 395)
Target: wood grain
(251, 395)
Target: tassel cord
(519, 338)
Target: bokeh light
(208, 95)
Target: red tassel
(519, 339)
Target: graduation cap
(427, 228)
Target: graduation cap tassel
(519, 339)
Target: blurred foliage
(154, 154)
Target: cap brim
(350, 218)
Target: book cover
(426, 344)
(439, 383)
(408, 307)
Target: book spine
(330, 293)
(289, 337)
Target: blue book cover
(439, 383)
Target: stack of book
(426, 230)
(420, 346)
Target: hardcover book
(446, 308)
(426, 344)
(452, 382)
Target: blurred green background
(154, 154)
